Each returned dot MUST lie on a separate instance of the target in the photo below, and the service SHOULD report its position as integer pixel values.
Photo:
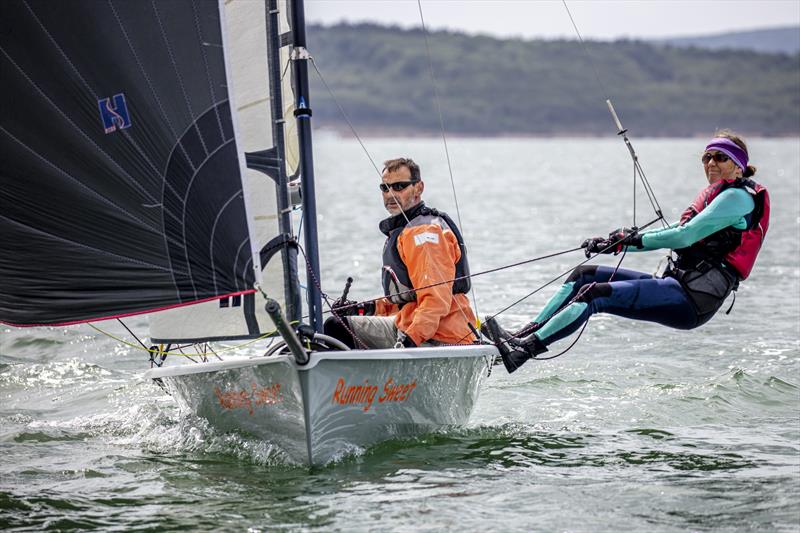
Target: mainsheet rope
(481, 273)
(609, 247)
(504, 267)
(459, 342)
(566, 304)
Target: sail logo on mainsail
(115, 116)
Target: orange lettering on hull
(397, 393)
(354, 394)
(244, 399)
(364, 395)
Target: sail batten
(244, 36)
(124, 187)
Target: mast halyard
(303, 114)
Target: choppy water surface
(637, 427)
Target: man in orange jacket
(425, 274)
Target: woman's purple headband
(729, 148)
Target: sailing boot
(505, 335)
(514, 352)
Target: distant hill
(490, 86)
(784, 40)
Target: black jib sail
(123, 183)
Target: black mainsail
(123, 179)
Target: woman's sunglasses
(719, 157)
(396, 186)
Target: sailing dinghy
(146, 154)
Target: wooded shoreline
(512, 87)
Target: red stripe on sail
(134, 313)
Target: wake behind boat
(148, 167)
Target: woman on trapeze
(716, 242)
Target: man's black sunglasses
(396, 186)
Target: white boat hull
(339, 402)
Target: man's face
(397, 202)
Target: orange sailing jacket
(429, 250)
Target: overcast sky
(596, 19)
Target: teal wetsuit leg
(563, 294)
(579, 278)
(630, 294)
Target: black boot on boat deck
(514, 352)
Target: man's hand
(404, 340)
(350, 308)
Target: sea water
(637, 427)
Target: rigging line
(581, 291)
(634, 194)
(489, 271)
(344, 115)
(638, 170)
(610, 246)
(324, 296)
(299, 227)
(568, 348)
(583, 328)
(132, 333)
(358, 138)
(651, 195)
(439, 109)
(186, 355)
(586, 50)
(437, 100)
(572, 344)
(208, 347)
(572, 300)
(371, 160)
(637, 166)
(148, 350)
(391, 192)
(435, 266)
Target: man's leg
(373, 331)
